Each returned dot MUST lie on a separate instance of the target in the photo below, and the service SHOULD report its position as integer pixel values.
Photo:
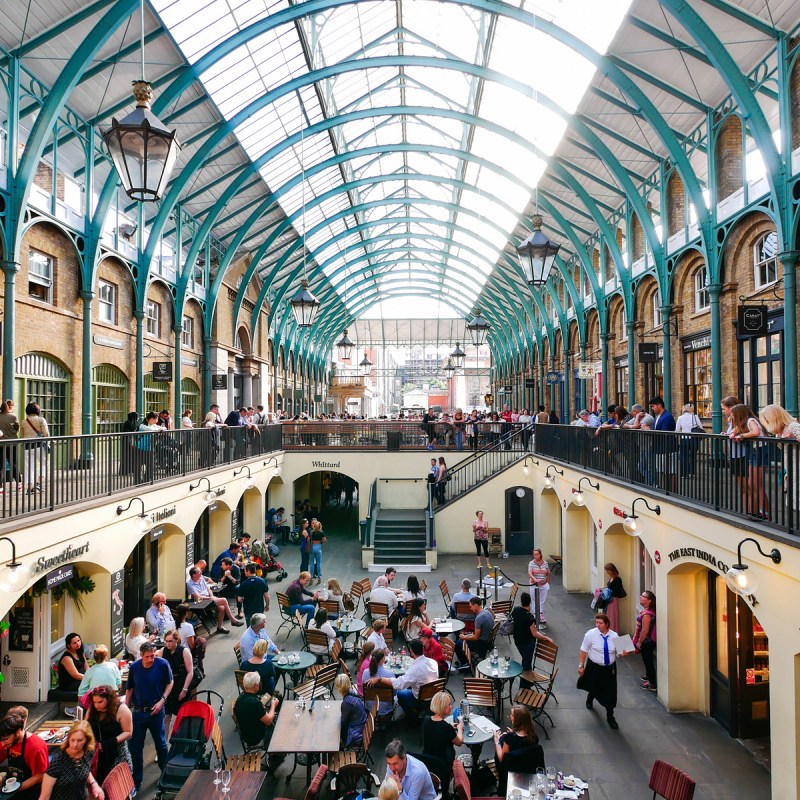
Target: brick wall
(729, 156)
(676, 208)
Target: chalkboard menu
(117, 611)
(189, 549)
(20, 633)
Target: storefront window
(761, 367)
(57, 619)
(190, 398)
(621, 381)
(156, 395)
(697, 371)
(109, 398)
(42, 380)
(721, 628)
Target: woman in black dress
(112, 726)
(439, 737)
(520, 737)
(72, 665)
(69, 774)
(179, 659)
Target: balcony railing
(758, 479)
(47, 474)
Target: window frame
(47, 282)
(702, 298)
(104, 303)
(152, 319)
(187, 332)
(761, 266)
(658, 320)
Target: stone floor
(615, 763)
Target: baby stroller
(267, 563)
(188, 745)
(167, 455)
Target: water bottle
(465, 710)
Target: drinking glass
(297, 707)
(226, 779)
(551, 773)
(217, 770)
(551, 788)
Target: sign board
(553, 378)
(60, 575)
(586, 369)
(752, 321)
(317, 398)
(648, 352)
(488, 399)
(20, 629)
(219, 383)
(189, 549)
(530, 383)
(117, 611)
(162, 371)
(234, 523)
(156, 533)
(508, 388)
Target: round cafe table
(399, 665)
(474, 739)
(348, 627)
(514, 670)
(295, 671)
(454, 626)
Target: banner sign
(60, 575)
(555, 377)
(162, 371)
(752, 321)
(117, 611)
(586, 369)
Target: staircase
(400, 539)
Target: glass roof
(440, 182)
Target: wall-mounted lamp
(145, 521)
(629, 523)
(525, 468)
(548, 478)
(210, 496)
(249, 481)
(15, 574)
(739, 580)
(276, 465)
(578, 497)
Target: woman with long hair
(519, 739)
(377, 669)
(180, 662)
(746, 430)
(644, 639)
(70, 771)
(73, 664)
(617, 591)
(354, 713)
(362, 662)
(112, 726)
(417, 619)
(136, 638)
(412, 591)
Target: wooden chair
(449, 648)
(443, 588)
(667, 781)
(536, 701)
(118, 784)
(239, 674)
(331, 606)
(428, 690)
(216, 742)
(374, 696)
(481, 693)
(472, 659)
(343, 668)
(319, 685)
(461, 787)
(501, 609)
(495, 629)
(246, 748)
(361, 751)
(543, 666)
(335, 651)
(237, 651)
(556, 559)
(464, 613)
(376, 610)
(356, 590)
(513, 595)
(366, 588)
(318, 639)
(287, 618)
(352, 777)
(314, 788)
(245, 762)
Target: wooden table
(243, 786)
(49, 725)
(521, 780)
(310, 733)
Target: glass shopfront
(621, 381)
(697, 373)
(761, 365)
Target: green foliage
(74, 588)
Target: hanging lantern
(366, 366)
(478, 329)
(537, 255)
(304, 306)
(142, 149)
(458, 356)
(449, 367)
(345, 347)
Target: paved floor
(616, 763)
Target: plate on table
(11, 787)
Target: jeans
(316, 561)
(143, 722)
(305, 610)
(527, 662)
(459, 437)
(407, 701)
(304, 560)
(648, 650)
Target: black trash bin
(393, 441)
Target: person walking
(69, 774)
(318, 538)
(616, 591)
(644, 640)
(150, 682)
(597, 667)
(539, 573)
(526, 633)
(112, 726)
(34, 427)
(480, 534)
(9, 431)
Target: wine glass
(226, 779)
(551, 773)
(217, 770)
(298, 706)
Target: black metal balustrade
(46, 474)
(754, 478)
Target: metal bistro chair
(356, 590)
(239, 675)
(331, 606)
(376, 695)
(376, 610)
(359, 752)
(543, 666)
(481, 693)
(536, 701)
(287, 618)
(319, 685)
(237, 651)
(443, 588)
(428, 690)
(317, 639)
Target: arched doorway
(333, 497)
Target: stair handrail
(491, 452)
(373, 501)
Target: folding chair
(287, 618)
(246, 748)
(464, 613)
(669, 782)
(317, 639)
(449, 648)
(245, 762)
(376, 695)
(359, 752)
(513, 595)
(314, 788)
(118, 784)
(445, 594)
(356, 590)
(377, 610)
(331, 606)
(536, 701)
(237, 651)
(428, 690)
(495, 629)
(543, 666)
(481, 693)
(320, 685)
(216, 742)
(239, 675)
(335, 651)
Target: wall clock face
(520, 492)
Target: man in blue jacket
(666, 447)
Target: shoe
(71, 711)
(590, 702)
(648, 687)
(612, 723)
(223, 630)
(236, 623)
(239, 615)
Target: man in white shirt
(597, 667)
(422, 670)
(381, 593)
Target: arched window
(41, 379)
(156, 395)
(190, 398)
(109, 398)
(702, 299)
(765, 262)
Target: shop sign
(69, 553)
(752, 321)
(648, 352)
(219, 383)
(326, 464)
(701, 555)
(530, 383)
(621, 362)
(60, 575)
(555, 377)
(508, 388)
(165, 513)
(117, 609)
(190, 362)
(156, 533)
(162, 371)
(586, 369)
(317, 398)
(106, 341)
(234, 523)
(697, 343)
(20, 633)
(189, 549)
(488, 399)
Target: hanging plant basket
(74, 589)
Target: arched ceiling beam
(745, 16)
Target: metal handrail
(373, 502)
(707, 470)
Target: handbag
(698, 428)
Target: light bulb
(630, 524)
(741, 581)
(526, 470)
(209, 497)
(548, 482)
(577, 498)
(145, 523)
(12, 579)
(249, 483)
